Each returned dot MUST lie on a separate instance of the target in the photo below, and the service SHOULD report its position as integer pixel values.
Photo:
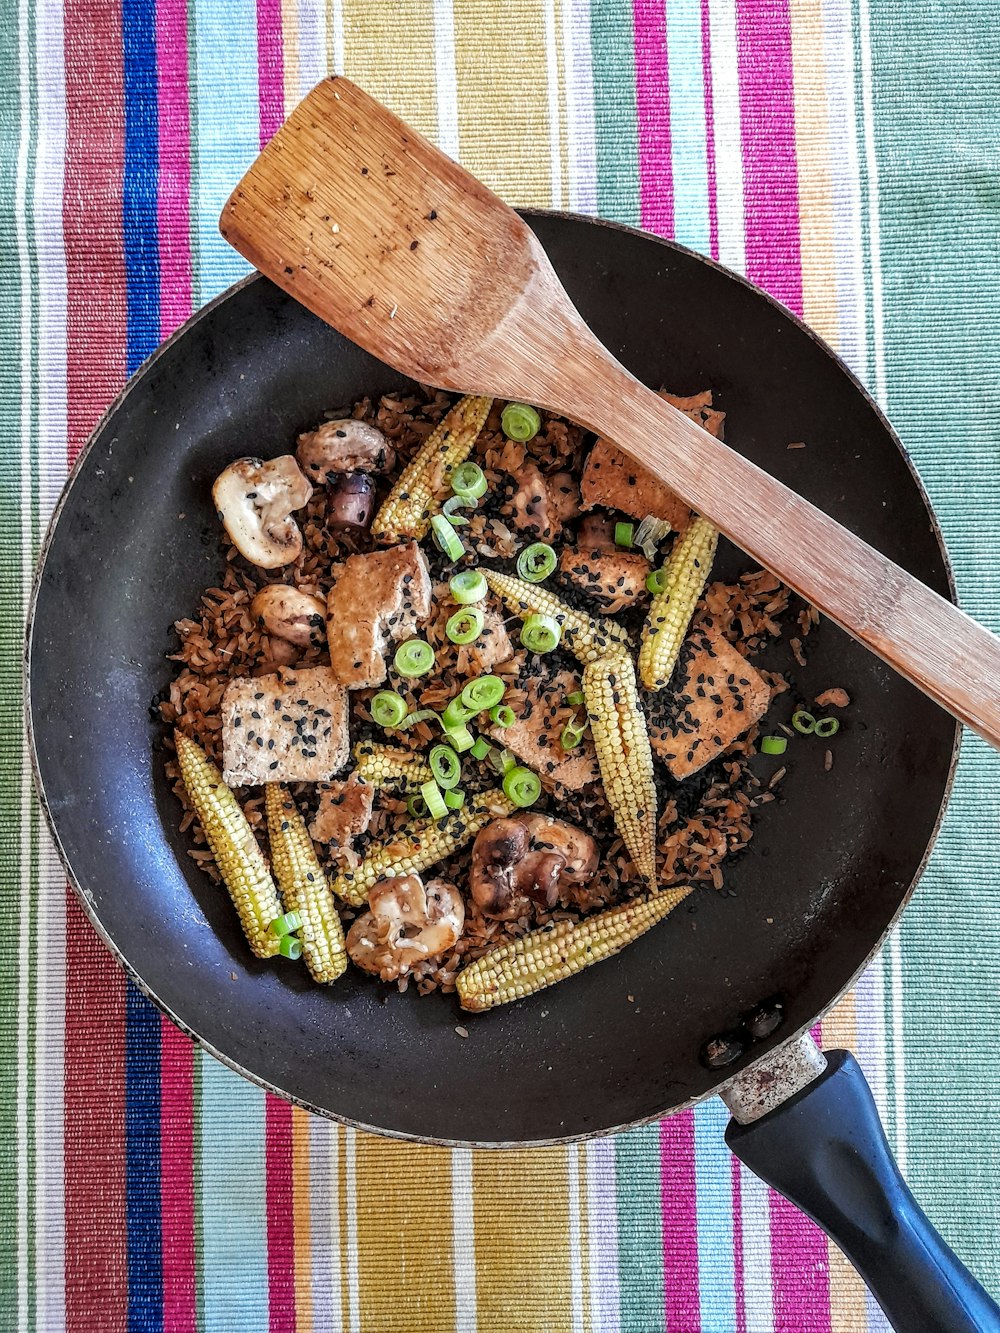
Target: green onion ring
(481, 748)
(520, 421)
(415, 657)
(482, 693)
(469, 481)
(540, 634)
(451, 507)
(445, 766)
(571, 735)
(536, 562)
(285, 925)
(522, 786)
(773, 744)
(460, 738)
(457, 713)
(804, 722)
(454, 799)
(388, 708)
(417, 806)
(468, 586)
(445, 537)
(465, 626)
(290, 946)
(432, 794)
(656, 582)
(501, 715)
(624, 534)
(826, 727)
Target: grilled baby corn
(390, 767)
(303, 886)
(408, 507)
(618, 726)
(233, 845)
(546, 956)
(589, 637)
(686, 573)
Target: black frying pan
(833, 862)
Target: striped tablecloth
(843, 153)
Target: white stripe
(728, 145)
(337, 34)
(895, 952)
(578, 76)
(552, 86)
(312, 44)
(446, 77)
(328, 1307)
(602, 1235)
(351, 1185)
(756, 1227)
(871, 174)
(463, 1243)
(575, 1238)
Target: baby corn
(419, 844)
(408, 507)
(233, 846)
(387, 766)
(686, 573)
(553, 953)
(303, 886)
(589, 637)
(618, 726)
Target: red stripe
(270, 67)
(679, 1202)
(177, 1178)
(280, 1218)
(738, 1275)
(174, 183)
(652, 100)
(92, 213)
(96, 1276)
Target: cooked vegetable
(502, 715)
(406, 923)
(482, 693)
(650, 532)
(465, 626)
(540, 634)
(804, 722)
(571, 735)
(339, 447)
(290, 946)
(528, 859)
(520, 421)
(536, 562)
(460, 738)
(437, 806)
(446, 767)
(287, 924)
(469, 481)
(421, 715)
(521, 786)
(445, 537)
(685, 576)
(826, 726)
(388, 708)
(773, 744)
(456, 713)
(233, 846)
(656, 582)
(419, 844)
(589, 637)
(414, 497)
(467, 587)
(351, 502)
(454, 798)
(481, 749)
(304, 886)
(543, 957)
(255, 501)
(416, 806)
(452, 507)
(624, 532)
(386, 767)
(415, 657)
(287, 613)
(623, 754)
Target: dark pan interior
(136, 540)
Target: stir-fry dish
(467, 709)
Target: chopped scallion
(460, 738)
(482, 693)
(434, 797)
(445, 537)
(520, 421)
(468, 586)
(445, 766)
(826, 726)
(575, 698)
(773, 744)
(804, 722)
(285, 925)
(522, 786)
(624, 533)
(415, 657)
(457, 713)
(656, 582)
(454, 799)
(536, 562)
(540, 634)
(290, 946)
(388, 708)
(451, 507)
(416, 806)
(481, 748)
(571, 735)
(469, 480)
(466, 625)
(501, 715)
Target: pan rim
(725, 1076)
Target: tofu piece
(345, 810)
(535, 738)
(719, 698)
(377, 599)
(613, 579)
(287, 727)
(612, 478)
(541, 505)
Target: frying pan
(834, 859)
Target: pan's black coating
(831, 864)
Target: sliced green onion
(520, 421)
(650, 532)
(575, 698)
(804, 722)
(522, 786)
(536, 562)
(482, 693)
(454, 799)
(773, 744)
(457, 713)
(540, 634)
(421, 715)
(502, 760)
(624, 533)
(445, 537)
(290, 946)
(481, 748)
(467, 587)
(466, 625)
(445, 766)
(434, 797)
(459, 738)
(388, 708)
(284, 925)
(501, 715)
(451, 507)
(469, 480)
(415, 657)
(571, 735)
(417, 806)
(826, 726)
(656, 582)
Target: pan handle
(824, 1149)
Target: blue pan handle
(825, 1150)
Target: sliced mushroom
(406, 923)
(525, 859)
(288, 613)
(338, 447)
(254, 500)
(352, 501)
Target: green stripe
(640, 1230)
(615, 124)
(937, 122)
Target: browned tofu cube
(377, 599)
(287, 727)
(344, 811)
(613, 579)
(534, 737)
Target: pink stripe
(280, 1217)
(270, 68)
(767, 116)
(174, 197)
(177, 1178)
(738, 1278)
(652, 95)
(679, 1205)
(706, 74)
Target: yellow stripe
(522, 1240)
(847, 1291)
(389, 51)
(345, 1274)
(812, 148)
(405, 1269)
(503, 120)
(290, 48)
(300, 1217)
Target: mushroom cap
(289, 613)
(406, 923)
(342, 446)
(255, 500)
(351, 501)
(528, 858)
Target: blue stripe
(688, 148)
(139, 210)
(143, 1248)
(640, 1230)
(714, 1189)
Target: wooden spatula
(384, 237)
